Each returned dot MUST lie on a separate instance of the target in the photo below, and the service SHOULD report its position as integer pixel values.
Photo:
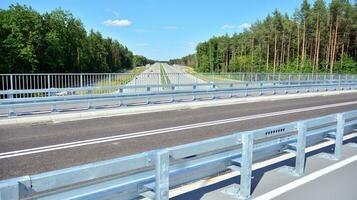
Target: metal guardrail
(152, 174)
(25, 98)
(71, 80)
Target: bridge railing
(71, 80)
(152, 174)
(12, 99)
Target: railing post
(11, 87)
(261, 89)
(246, 166)
(10, 191)
(11, 82)
(300, 149)
(289, 78)
(162, 172)
(81, 80)
(246, 89)
(11, 111)
(339, 135)
(48, 84)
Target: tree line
(317, 38)
(57, 42)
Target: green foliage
(56, 42)
(141, 61)
(302, 43)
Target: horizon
(164, 35)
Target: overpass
(41, 145)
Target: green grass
(212, 77)
(164, 77)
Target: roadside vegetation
(317, 38)
(164, 77)
(57, 42)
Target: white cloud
(117, 22)
(228, 26)
(142, 44)
(245, 26)
(170, 27)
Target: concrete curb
(92, 114)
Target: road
(152, 76)
(26, 149)
(149, 77)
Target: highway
(33, 148)
(149, 77)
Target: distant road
(148, 77)
(26, 149)
(183, 78)
(152, 76)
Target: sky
(163, 29)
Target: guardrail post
(231, 93)
(261, 89)
(213, 87)
(193, 95)
(300, 149)
(274, 91)
(339, 135)
(89, 103)
(246, 89)
(246, 166)
(162, 172)
(9, 191)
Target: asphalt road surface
(26, 149)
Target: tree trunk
(303, 46)
(318, 50)
(298, 47)
(316, 41)
(334, 46)
(288, 56)
(282, 50)
(275, 53)
(267, 58)
(328, 53)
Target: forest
(317, 38)
(57, 42)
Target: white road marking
(292, 185)
(160, 131)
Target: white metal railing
(70, 80)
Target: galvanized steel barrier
(56, 96)
(152, 174)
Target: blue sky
(163, 29)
